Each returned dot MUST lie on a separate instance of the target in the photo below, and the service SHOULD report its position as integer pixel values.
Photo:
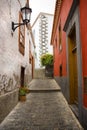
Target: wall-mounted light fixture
(26, 15)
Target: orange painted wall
(60, 57)
(83, 31)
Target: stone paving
(43, 84)
(43, 110)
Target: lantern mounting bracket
(16, 25)
(26, 14)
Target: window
(56, 42)
(85, 85)
(60, 70)
(60, 38)
(30, 52)
(21, 36)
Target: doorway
(73, 74)
(22, 76)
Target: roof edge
(56, 17)
(39, 15)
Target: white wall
(35, 29)
(11, 59)
(36, 38)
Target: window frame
(21, 36)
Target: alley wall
(11, 60)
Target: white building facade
(15, 59)
(42, 29)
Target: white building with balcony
(42, 29)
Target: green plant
(47, 59)
(22, 92)
(26, 89)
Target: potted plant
(47, 61)
(22, 94)
(26, 89)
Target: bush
(22, 92)
(47, 59)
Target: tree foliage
(47, 59)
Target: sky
(46, 6)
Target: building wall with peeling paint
(11, 60)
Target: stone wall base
(7, 102)
(84, 118)
(62, 81)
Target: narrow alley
(44, 109)
(43, 59)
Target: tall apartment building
(42, 29)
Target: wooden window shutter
(30, 55)
(21, 36)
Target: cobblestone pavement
(43, 110)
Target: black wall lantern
(26, 15)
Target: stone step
(44, 91)
(40, 74)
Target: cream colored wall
(11, 59)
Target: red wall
(83, 31)
(60, 57)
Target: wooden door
(22, 76)
(75, 76)
(73, 73)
